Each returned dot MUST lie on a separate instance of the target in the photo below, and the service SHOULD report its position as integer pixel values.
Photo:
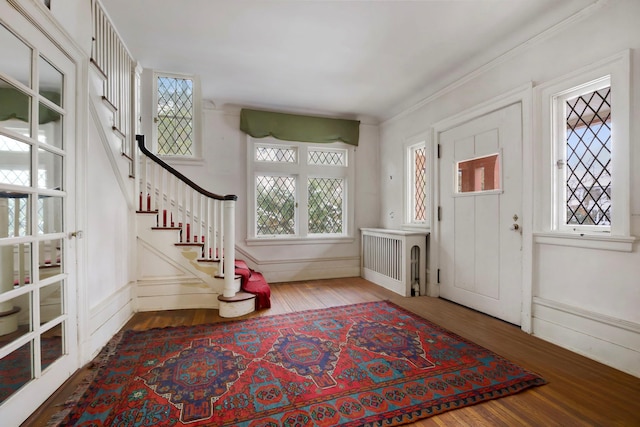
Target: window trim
(423, 140)
(197, 118)
(302, 171)
(548, 231)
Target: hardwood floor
(580, 392)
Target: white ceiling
(354, 59)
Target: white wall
(584, 299)
(223, 171)
(110, 232)
(75, 17)
(110, 237)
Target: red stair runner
(254, 283)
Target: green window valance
(295, 127)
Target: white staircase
(186, 243)
(185, 235)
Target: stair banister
(215, 224)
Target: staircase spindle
(206, 233)
(161, 195)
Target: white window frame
(551, 229)
(559, 132)
(196, 143)
(302, 171)
(420, 141)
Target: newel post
(229, 247)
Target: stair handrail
(228, 217)
(196, 187)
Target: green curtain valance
(294, 127)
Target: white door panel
(480, 255)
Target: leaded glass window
(588, 158)
(275, 205)
(276, 154)
(328, 157)
(325, 205)
(299, 190)
(416, 184)
(175, 116)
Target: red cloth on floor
(254, 283)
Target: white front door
(481, 202)
(38, 321)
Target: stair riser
(236, 308)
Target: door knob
(514, 227)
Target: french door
(38, 326)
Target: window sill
(416, 227)
(178, 160)
(273, 241)
(587, 241)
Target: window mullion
(302, 198)
(302, 203)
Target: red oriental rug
(363, 364)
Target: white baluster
(162, 208)
(229, 249)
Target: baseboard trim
(587, 314)
(107, 318)
(296, 269)
(606, 339)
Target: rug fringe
(95, 366)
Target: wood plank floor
(581, 392)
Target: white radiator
(395, 259)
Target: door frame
(44, 21)
(524, 96)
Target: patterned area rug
(363, 364)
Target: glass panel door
(38, 331)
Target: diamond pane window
(325, 205)
(275, 205)
(299, 191)
(328, 157)
(416, 211)
(276, 154)
(420, 182)
(588, 158)
(175, 111)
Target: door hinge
(439, 213)
(438, 275)
(438, 150)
